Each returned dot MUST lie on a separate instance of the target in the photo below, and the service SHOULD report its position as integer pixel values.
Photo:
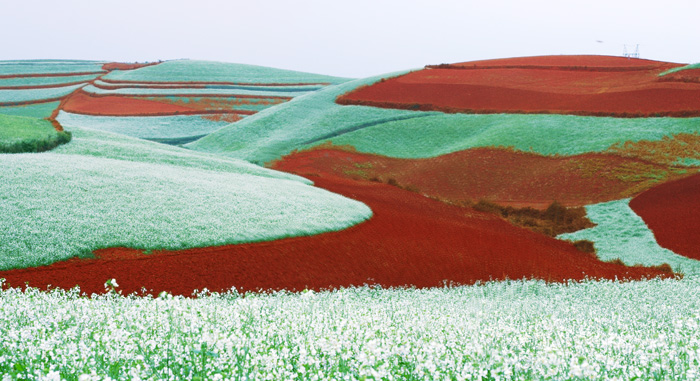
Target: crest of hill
(570, 61)
(211, 71)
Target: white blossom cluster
(515, 330)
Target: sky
(357, 38)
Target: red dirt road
(533, 86)
(506, 177)
(410, 240)
(672, 212)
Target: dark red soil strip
(672, 212)
(51, 74)
(126, 66)
(505, 177)
(271, 84)
(659, 102)
(85, 103)
(410, 240)
(533, 67)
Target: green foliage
(23, 134)
(36, 110)
(37, 81)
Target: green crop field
(145, 127)
(36, 110)
(59, 206)
(545, 134)
(38, 81)
(24, 134)
(10, 97)
(49, 67)
(263, 91)
(209, 71)
(277, 131)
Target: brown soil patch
(666, 151)
(672, 212)
(410, 240)
(126, 66)
(506, 177)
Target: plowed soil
(410, 240)
(672, 212)
(82, 103)
(501, 176)
(611, 86)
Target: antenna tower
(630, 54)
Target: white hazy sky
(355, 38)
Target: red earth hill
(578, 85)
(672, 212)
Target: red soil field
(82, 103)
(564, 61)
(125, 66)
(688, 75)
(519, 86)
(505, 177)
(224, 103)
(672, 212)
(410, 240)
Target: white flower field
(517, 330)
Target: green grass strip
(677, 69)
(23, 134)
(35, 110)
(545, 134)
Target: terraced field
(504, 177)
(576, 175)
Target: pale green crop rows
(517, 330)
(315, 119)
(13, 96)
(145, 127)
(36, 110)
(209, 71)
(622, 234)
(48, 67)
(34, 81)
(278, 130)
(89, 142)
(262, 91)
(545, 134)
(166, 85)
